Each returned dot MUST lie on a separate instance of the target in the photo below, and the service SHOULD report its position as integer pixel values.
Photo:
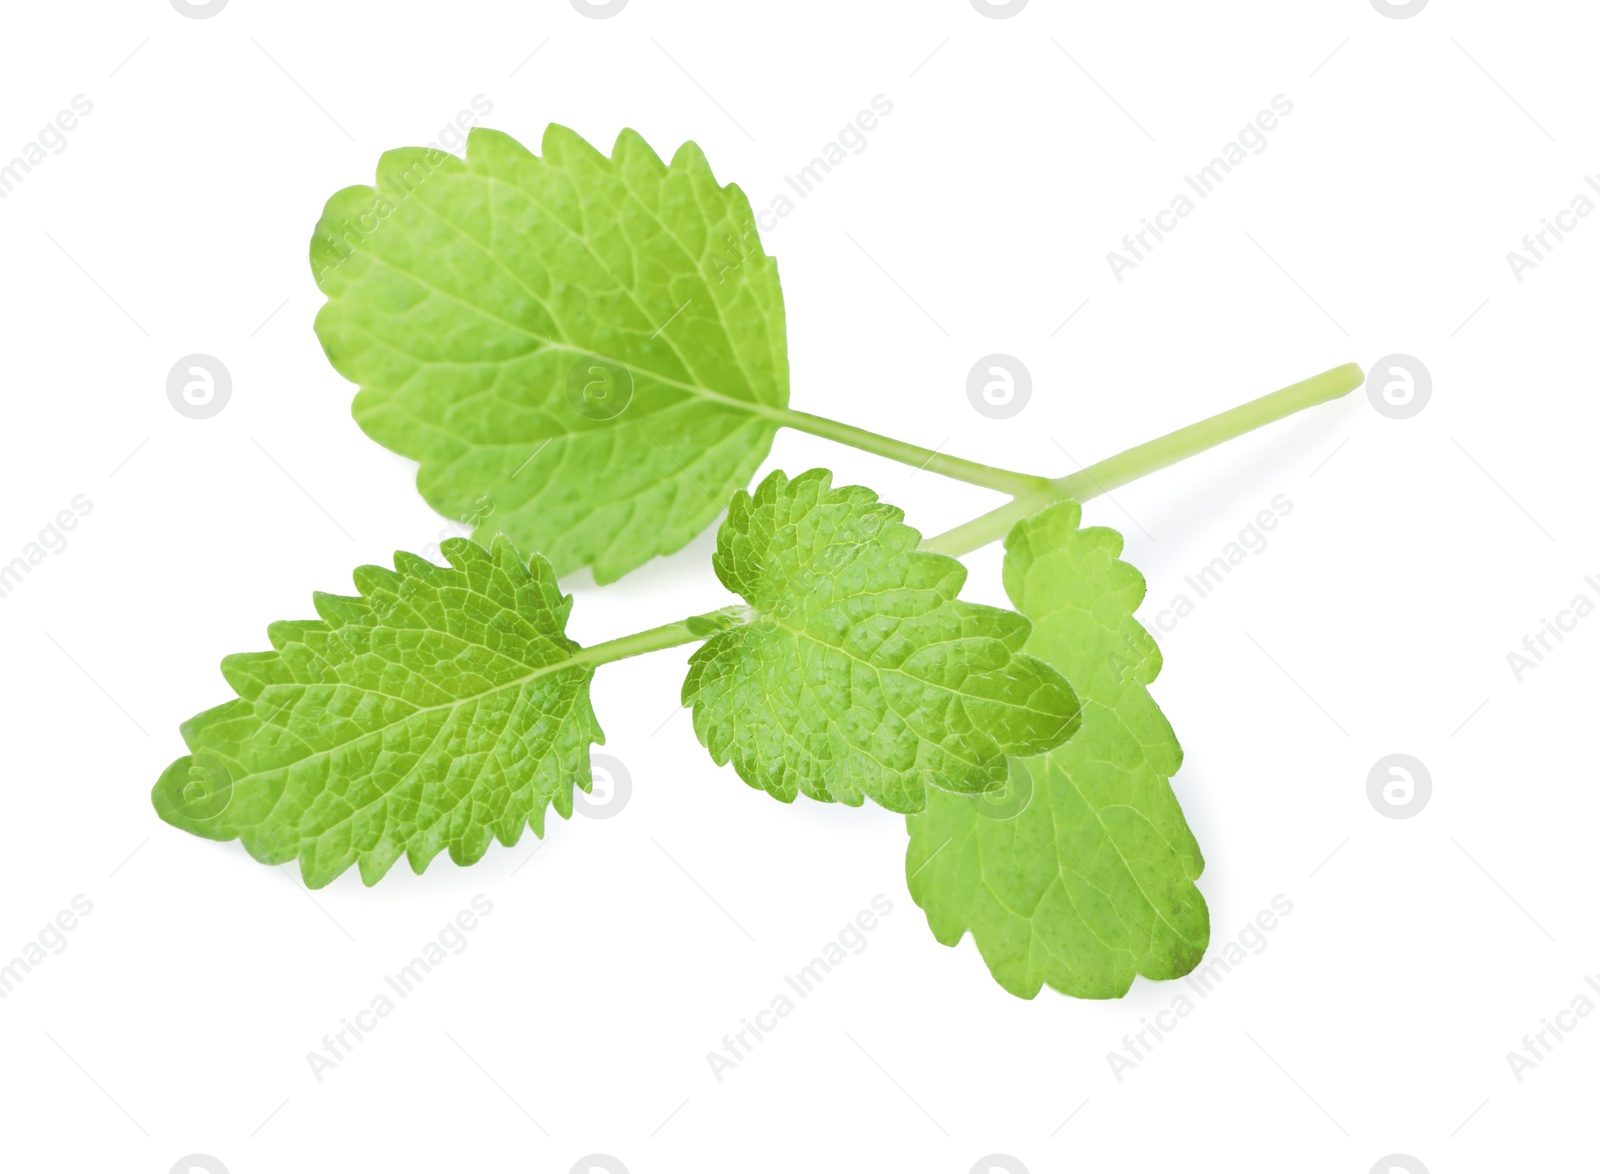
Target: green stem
(1147, 458)
(687, 631)
(1005, 480)
(1033, 493)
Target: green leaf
(584, 354)
(440, 707)
(1092, 880)
(859, 673)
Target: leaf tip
(193, 794)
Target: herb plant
(587, 358)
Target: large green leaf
(860, 673)
(439, 708)
(585, 354)
(1080, 874)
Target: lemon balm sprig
(553, 339)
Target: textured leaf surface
(585, 354)
(1093, 882)
(860, 673)
(439, 708)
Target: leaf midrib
(576, 658)
(754, 406)
(879, 670)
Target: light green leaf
(585, 354)
(440, 707)
(1093, 881)
(860, 673)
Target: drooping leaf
(439, 708)
(860, 674)
(1081, 872)
(584, 354)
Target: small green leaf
(584, 354)
(860, 673)
(1081, 873)
(440, 707)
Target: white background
(1419, 552)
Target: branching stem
(1032, 493)
(1147, 458)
